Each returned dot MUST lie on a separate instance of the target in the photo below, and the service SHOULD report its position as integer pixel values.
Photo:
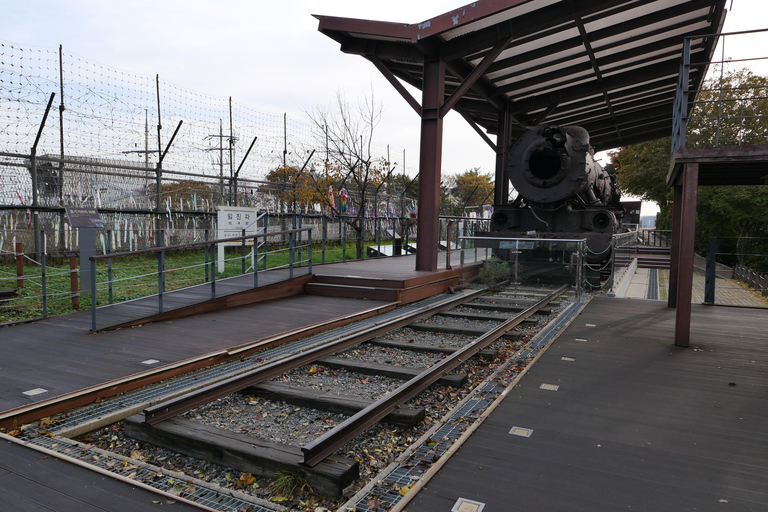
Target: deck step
(351, 292)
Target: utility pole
(220, 149)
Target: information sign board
(231, 220)
(84, 217)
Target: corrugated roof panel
(573, 54)
(640, 31)
(603, 20)
(518, 77)
(507, 14)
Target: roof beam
(473, 77)
(399, 87)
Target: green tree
(471, 188)
(730, 110)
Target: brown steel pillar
(430, 160)
(501, 186)
(674, 254)
(685, 255)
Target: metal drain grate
(181, 486)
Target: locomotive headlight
(602, 220)
(500, 219)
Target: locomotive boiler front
(552, 164)
(562, 192)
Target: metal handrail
(162, 249)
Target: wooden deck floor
(33, 482)
(636, 424)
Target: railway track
(311, 410)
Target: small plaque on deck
(520, 431)
(35, 392)
(465, 505)
(549, 387)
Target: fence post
(73, 282)
(19, 265)
(378, 236)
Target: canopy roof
(610, 66)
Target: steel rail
(176, 406)
(316, 451)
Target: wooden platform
(636, 424)
(61, 357)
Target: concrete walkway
(727, 291)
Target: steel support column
(501, 185)
(685, 255)
(674, 254)
(430, 159)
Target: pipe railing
(209, 246)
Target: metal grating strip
(410, 470)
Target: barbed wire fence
(77, 133)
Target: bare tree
(348, 134)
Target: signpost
(87, 221)
(231, 222)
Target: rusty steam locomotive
(562, 194)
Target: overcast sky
(265, 54)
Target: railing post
(44, 281)
(109, 265)
(711, 272)
(93, 295)
(160, 271)
(580, 270)
(73, 283)
(255, 261)
(213, 272)
(19, 265)
(448, 236)
(343, 239)
(298, 237)
(205, 265)
(324, 236)
(394, 234)
(614, 249)
(290, 254)
(242, 253)
(309, 250)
